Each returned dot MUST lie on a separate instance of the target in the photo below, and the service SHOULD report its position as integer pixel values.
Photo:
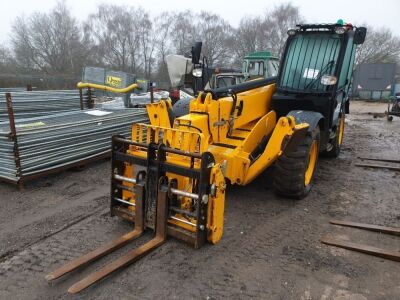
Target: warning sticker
(98, 113)
(114, 81)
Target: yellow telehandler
(171, 177)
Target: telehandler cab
(171, 176)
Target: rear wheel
(337, 141)
(294, 171)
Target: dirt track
(270, 248)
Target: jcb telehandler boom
(171, 176)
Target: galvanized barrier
(29, 104)
(37, 146)
(15, 89)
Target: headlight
(340, 30)
(328, 80)
(197, 72)
(291, 32)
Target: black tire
(336, 144)
(291, 168)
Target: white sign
(98, 113)
(310, 73)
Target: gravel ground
(271, 246)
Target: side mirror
(359, 36)
(196, 51)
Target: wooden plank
(391, 255)
(378, 167)
(371, 227)
(380, 159)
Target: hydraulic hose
(82, 85)
(239, 88)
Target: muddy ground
(271, 246)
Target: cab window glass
(256, 68)
(273, 67)
(225, 81)
(308, 58)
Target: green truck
(193, 76)
(261, 64)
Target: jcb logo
(114, 81)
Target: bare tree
(266, 33)
(148, 42)
(113, 35)
(50, 43)
(129, 39)
(164, 45)
(122, 38)
(136, 64)
(248, 38)
(7, 63)
(276, 24)
(217, 37)
(380, 46)
(183, 31)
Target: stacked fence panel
(29, 104)
(12, 90)
(7, 157)
(55, 141)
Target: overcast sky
(379, 13)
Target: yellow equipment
(185, 166)
(171, 177)
(216, 138)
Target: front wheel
(294, 171)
